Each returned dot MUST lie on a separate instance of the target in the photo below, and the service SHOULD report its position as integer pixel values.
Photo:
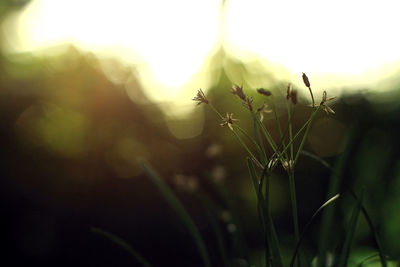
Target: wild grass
(261, 165)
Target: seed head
(228, 121)
(323, 105)
(291, 94)
(306, 81)
(288, 165)
(263, 109)
(200, 97)
(264, 92)
(248, 103)
(238, 90)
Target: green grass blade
(344, 255)
(327, 222)
(331, 200)
(257, 134)
(367, 259)
(120, 242)
(273, 255)
(180, 210)
(212, 212)
(374, 233)
(238, 235)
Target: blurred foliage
(70, 141)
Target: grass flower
(305, 80)
(248, 103)
(200, 97)
(228, 121)
(262, 91)
(291, 94)
(246, 100)
(263, 109)
(323, 105)
(238, 91)
(307, 83)
(288, 165)
(272, 164)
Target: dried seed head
(323, 105)
(200, 97)
(291, 94)
(272, 164)
(288, 90)
(288, 165)
(293, 97)
(248, 103)
(263, 109)
(306, 81)
(238, 90)
(228, 121)
(263, 91)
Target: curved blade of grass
(258, 139)
(212, 213)
(120, 242)
(344, 255)
(334, 186)
(239, 240)
(331, 200)
(367, 259)
(374, 233)
(272, 254)
(363, 209)
(177, 206)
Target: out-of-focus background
(88, 88)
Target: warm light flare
(170, 41)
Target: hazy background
(89, 87)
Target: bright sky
(170, 40)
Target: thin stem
(305, 135)
(312, 97)
(247, 135)
(216, 111)
(263, 154)
(270, 140)
(293, 200)
(301, 129)
(247, 149)
(279, 126)
(290, 128)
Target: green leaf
(272, 255)
(344, 255)
(374, 232)
(331, 200)
(327, 221)
(120, 242)
(180, 210)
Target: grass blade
(374, 233)
(212, 212)
(238, 236)
(331, 200)
(177, 206)
(344, 255)
(120, 242)
(272, 255)
(334, 187)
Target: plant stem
(293, 200)
(247, 149)
(290, 128)
(305, 135)
(216, 111)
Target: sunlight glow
(167, 40)
(325, 37)
(170, 41)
